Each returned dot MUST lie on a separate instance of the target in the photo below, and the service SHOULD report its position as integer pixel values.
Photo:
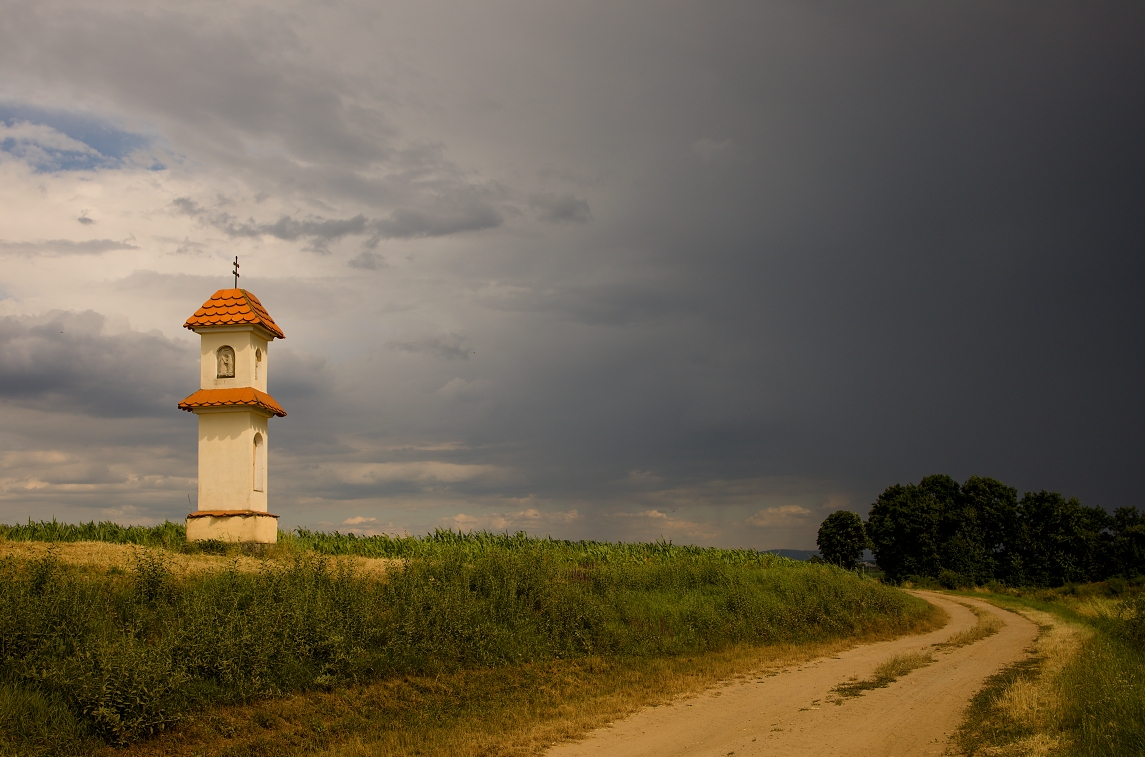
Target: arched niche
(225, 358)
(259, 463)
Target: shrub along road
(800, 711)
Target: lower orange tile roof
(244, 395)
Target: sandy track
(786, 712)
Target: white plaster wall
(234, 528)
(227, 458)
(244, 340)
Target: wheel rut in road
(791, 712)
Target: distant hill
(806, 554)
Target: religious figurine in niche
(226, 362)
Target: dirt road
(788, 712)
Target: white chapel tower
(233, 409)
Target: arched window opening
(226, 361)
(259, 463)
(257, 362)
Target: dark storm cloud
(441, 217)
(556, 208)
(448, 346)
(300, 376)
(623, 302)
(63, 361)
(453, 216)
(922, 261)
(367, 261)
(78, 467)
(65, 246)
(318, 231)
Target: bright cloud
(649, 522)
(532, 520)
(784, 516)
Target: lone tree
(842, 539)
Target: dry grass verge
(1020, 711)
(104, 557)
(988, 624)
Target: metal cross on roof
(236, 272)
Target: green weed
(1105, 698)
(987, 624)
(885, 674)
(167, 535)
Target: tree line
(980, 531)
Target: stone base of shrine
(243, 526)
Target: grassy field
(1082, 694)
(300, 641)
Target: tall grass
(474, 544)
(167, 535)
(1105, 705)
(125, 656)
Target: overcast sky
(700, 271)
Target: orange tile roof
(230, 307)
(232, 397)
